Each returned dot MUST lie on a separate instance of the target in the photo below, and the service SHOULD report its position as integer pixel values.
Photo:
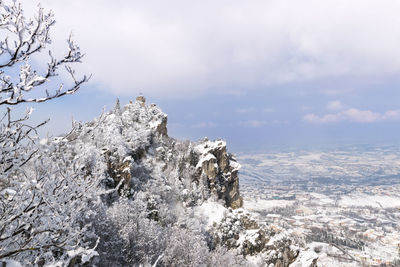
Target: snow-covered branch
(43, 189)
(43, 204)
(16, 141)
(26, 37)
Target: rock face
(138, 148)
(220, 171)
(238, 230)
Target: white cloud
(353, 115)
(261, 123)
(334, 105)
(392, 115)
(361, 115)
(180, 48)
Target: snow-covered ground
(351, 165)
(342, 204)
(257, 204)
(365, 200)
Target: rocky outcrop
(119, 169)
(220, 170)
(238, 230)
(136, 147)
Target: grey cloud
(179, 48)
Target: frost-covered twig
(27, 37)
(43, 191)
(158, 259)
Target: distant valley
(342, 204)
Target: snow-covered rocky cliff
(200, 179)
(133, 196)
(136, 146)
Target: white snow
(127, 169)
(305, 259)
(207, 157)
(323, 252)
(249, 235)
(154, 124)
(43, 141)
(211, 211)
(264, 204)
(10, 263)
(8, 193)
(322, 199)
(235, 165)
(206, 147)
(364, 200)
(86, 254)
(128, 158)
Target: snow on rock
(321, 255)
(260, 244)
(212, 212)
(220, 170)
(134, 145)
(305, 259)
(208, 157)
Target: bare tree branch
(29, 37)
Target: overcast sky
(257, 73)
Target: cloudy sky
(258, 73)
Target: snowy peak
(138, 115)
(136, 147)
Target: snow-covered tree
(16, 139)
(44, 204)
(22, 38)
(43, 188)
